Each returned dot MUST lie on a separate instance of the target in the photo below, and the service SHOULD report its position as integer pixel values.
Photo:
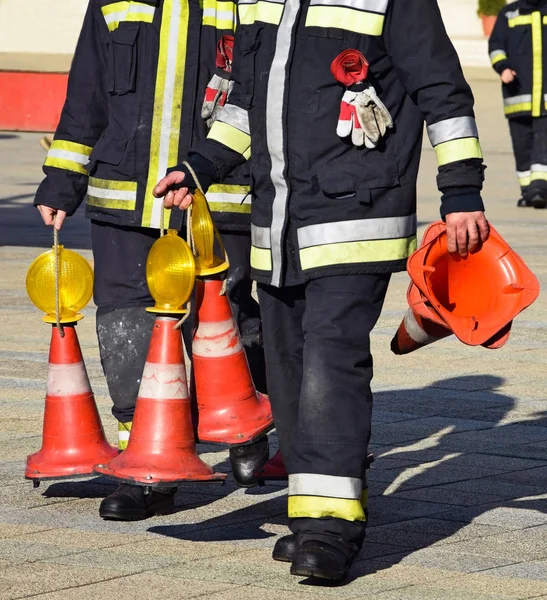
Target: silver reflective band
(356, 231)
(111, 194)
(523, 174)
(219, 15)
(537, 168)
(274, 133)
(495, 53)
(452, 129)
(517, 99)
(82, 159)
(260, 237)
(512, 14)
(377, 6)
(328, 486)
(133, 8)
(236, 117)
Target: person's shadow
(445, 455)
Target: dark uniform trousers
(121, 294)
(319, 369)
(529, 137)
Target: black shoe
(134, 503)
(539, 201)
(247, 459)
(284, 548)
(320, 560)
(524, 202)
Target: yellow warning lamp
(203, 233)
(75, 284)
(170, 273)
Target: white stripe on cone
(163, 382)
(219, 339)
(415, 331)
(67, 380)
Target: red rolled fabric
(225, 53)
(349, 67)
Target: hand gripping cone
(231, 411)
(161, 448)
(73, 436)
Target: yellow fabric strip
(71, 147)
(537, 64)
(261, 258)
(67, 165)
(111, 203)
(317, 507)
(516, 108)
(229, 207)
(110, 184)
(520, 20)
(455, 150)
(524, 181)
(538, 176)
(124, 430)
(230, 136)
(117, 12)
(345, 18)
(220, 188)
(266, 12)
(356, 252)
(221, 15)
(498, 58)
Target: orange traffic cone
(161, 448)
(476, 296)
(273, 470)
(73, 436)
(230, 409)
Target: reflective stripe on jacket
(132, 110)
(321, 205)
(519, 42)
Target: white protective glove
(363, 116)
(216, 95)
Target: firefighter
(518, 47)
(146, 80)
(332, 98)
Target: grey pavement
(458, 489)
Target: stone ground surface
(459, 486)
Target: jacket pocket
(122, 68)
(107, 151)
(243, 69)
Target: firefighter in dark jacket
(332, 98)
(518, 50)
(146, 80)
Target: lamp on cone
(73, 439)
(475, 297)
(203, 235)
(161, 448)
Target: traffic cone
(161, 448)
(73, 439)
(476, 296)
(230, 409)
(273, 470)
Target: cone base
(126, 468)
(273, 470)
(232, 426)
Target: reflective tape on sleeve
(340, 17)
(458, 150)
(497, 56)
(236, 117)
(118, 12)
(261, 259)
(69, 156)
(230, 136)
(221, 15)
(265, 12)
(452, 129)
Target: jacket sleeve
(429, 69)
(84, 117)
(497, 44)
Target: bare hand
(508, 76)
(466, 231)
(52, 216)
(171, 198)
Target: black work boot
(539, 200)
(247, 459)
(284, 548)
(134, 503)
(524, 202)
(320, 560)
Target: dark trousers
(529, 137)
(121, 294)
(319, 368)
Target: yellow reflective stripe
(71, 147)
(107, 193)
(524, 178)
(221, 188)
(230, 207)
(455, 150)
(232, 137)
(123, 434)
(117, 12)
(345, 18)
(111, 203)
(357, 252)
(538, 176)
(110, 184)
(261, 258)
(221, 15)
(316, 507)
(499, 57)
(67, 165)
(520, 20)
(168, 97)
(266, 12)
(537, 64)
(516, 108)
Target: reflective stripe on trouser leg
(124, 430)
(538, 167)
(522, 138)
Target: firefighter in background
(518, 49)
(332, 99)
(146, 79)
